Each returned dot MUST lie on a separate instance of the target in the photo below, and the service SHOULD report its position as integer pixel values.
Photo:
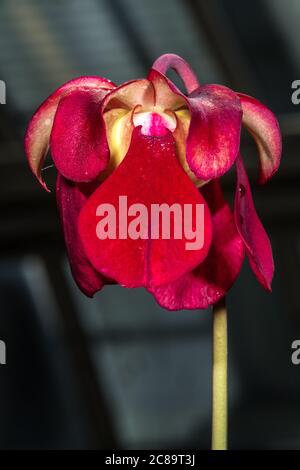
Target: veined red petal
(211, 280)
(149, 174)
(264, 127)
(78, 141)
(214, 135)
(70, 199)
(39, 129)
(256, 240)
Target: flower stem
(219, 377)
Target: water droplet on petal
(242, 190)
(210, 292)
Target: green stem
(219, 377)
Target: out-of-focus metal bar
(126, 25)
(91, 389)
(213, 22)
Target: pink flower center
(154, 124)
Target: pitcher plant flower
(157, 145)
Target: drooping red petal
(149, 174)
(181, 67)
(211, 280)
(214, 135)
(78, 141)
(39, 129)
(264, 127)
(256, 240)
(70, 199)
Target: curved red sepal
(40, 126)
(256, 240)
(264, 128)
(166, 95)
(78, 139)
(149, 174)
(214, 135)
(211, 280)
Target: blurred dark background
(118, 371)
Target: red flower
(147, 140)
